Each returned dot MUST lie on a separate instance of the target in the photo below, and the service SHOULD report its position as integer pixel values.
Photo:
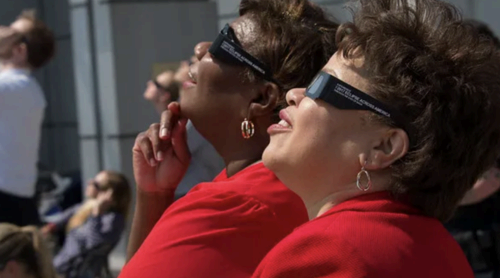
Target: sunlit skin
(317, 150)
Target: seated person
(99, 222)
(61, 220)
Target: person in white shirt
(205, 163)
(26, 45)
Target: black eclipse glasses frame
(345, 97)
(227, 48)
(98, 187)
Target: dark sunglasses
(97, 186)
(227, 48)
(345, 97)
(173, 89)
(159, 86)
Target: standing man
(26, 45)
(205, 161)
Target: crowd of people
(289, 146)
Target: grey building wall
(59, 147)
(116, 44)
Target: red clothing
(220, 229)
(369, 236)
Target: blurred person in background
(23, 253)
(385, 143)
(205, 163)
(225, 227)
(99, 222)
(60, 226)
(162, 90)
(26, 45)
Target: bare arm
(483, 188)
(148, 210)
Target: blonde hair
(27, 246)
(121, 200)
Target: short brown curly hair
(424, 61)
(297, 38)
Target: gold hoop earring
(368, 185)
(247, 129)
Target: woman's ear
(392, 146)
(265, 101)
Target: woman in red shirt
(384, 144)
(224, 228)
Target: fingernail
(163, 132)
(159, 155)
(152, 162)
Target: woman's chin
(271, 158)
(185, 108)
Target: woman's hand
(103, 202)
(48, 229)
(160, 154)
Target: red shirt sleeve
(208, 234)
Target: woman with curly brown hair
(225, 227)
(384, 144)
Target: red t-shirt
(369, 236)
(220, 229)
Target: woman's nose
(201, 49)
(295, 96)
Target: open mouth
(285, 119)
(191, 76)
(284, 123)
(283, 126)
(191, 82)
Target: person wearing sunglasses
(98, 223)
(225, 227)
(58, 223)
(385, 142)
(162, 90)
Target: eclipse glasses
(345, 97)
(227, 48)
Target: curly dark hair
(297, 38)
(426, 62)
(484, 30)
